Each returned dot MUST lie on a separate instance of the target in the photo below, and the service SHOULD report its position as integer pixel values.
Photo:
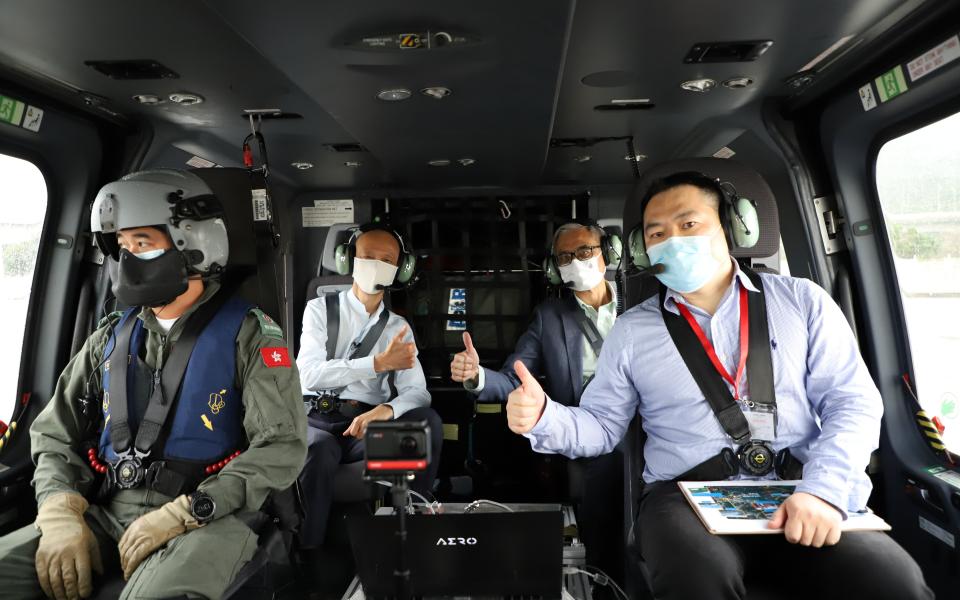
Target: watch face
(202, 507)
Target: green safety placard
(11, 111)
(891, 84)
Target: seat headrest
(749, 183)
(338, 233)
(232, 187)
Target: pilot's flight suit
(203, 561)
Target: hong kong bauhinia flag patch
(275, 357)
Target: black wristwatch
(202, 507)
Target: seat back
(327, 280)
(749, 183)
(255, 260)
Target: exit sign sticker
(891, 84)
(11, 111)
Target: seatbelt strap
(590, 331)
(370, 340)
(366, 344)
(759, 362)
(166, 384)
(120, 436)
(333, 330)
(333, 323)
(708, 345)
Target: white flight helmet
(179, 202)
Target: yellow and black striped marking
(930, 431)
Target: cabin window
(918, 182)
(23, 206)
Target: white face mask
(150, 254)
(582, 275)
(372, 276)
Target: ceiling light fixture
(436, 92)
(698, 85)
(738, 83)
(186, 98)
(394, 95)
(629, 101)
(635, 157)
(301, 165)
(583, 158)
(353, 164)
(466, 162)
(148, 99)
(440, 162)
(829, 51)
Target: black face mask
(151, 282)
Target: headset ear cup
(406, 270)
(744, 223)
(551, 271)
(612, 250)
(343, 259)
(637, 249)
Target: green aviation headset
(406, 264)
(738, 215)
(611, 248)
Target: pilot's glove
(68, 549)
(153, 530)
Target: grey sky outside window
(23, 206)
(918, 181)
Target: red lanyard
(708, 347)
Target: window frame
(38, 283)
(884, 239)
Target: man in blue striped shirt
(828, 415)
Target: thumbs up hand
(398, 356)
(465, 365)
(526, 403)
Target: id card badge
(762, 419)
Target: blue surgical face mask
(688, 261)
(150, 254)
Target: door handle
(923, 496)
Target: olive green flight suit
(202, 562)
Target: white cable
(482, 501)
(426, 502)
(600, 578)
(431, 505)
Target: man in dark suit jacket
(563, 347)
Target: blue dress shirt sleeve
(843, 395)
(606, 408)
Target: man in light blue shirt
(828, 415)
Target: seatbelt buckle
(128, 472)
(324, 404)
